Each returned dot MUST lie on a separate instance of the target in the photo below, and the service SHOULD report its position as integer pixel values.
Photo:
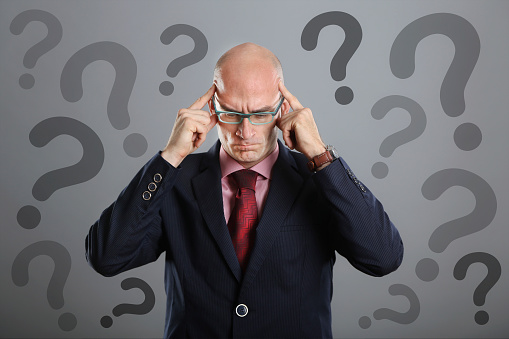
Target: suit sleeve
(129, 233)
(361, 230)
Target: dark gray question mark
(467, 48)
(353, 36)
(87, 168)
(413, 131)
(482, 215)
(407, 317)
(197, 54)
(494, 273)
(146, 306)
(62, 260)
(51, 40)
(135, 144)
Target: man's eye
(260, 117)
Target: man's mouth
(246, 146)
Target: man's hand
(190, 130)
(299, 127)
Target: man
(271, 278)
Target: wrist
(323, 159)
(172, 158)
(312, 152)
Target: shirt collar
(264, 167)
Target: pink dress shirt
(264, 170)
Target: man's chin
(247, 157)
(246, 147)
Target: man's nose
(246, 129)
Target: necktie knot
(245, 179)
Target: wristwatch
(329, 155)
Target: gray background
(435, 304)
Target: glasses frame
(246, 115)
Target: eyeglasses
(259, 118)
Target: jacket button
(241, 310)
(146, 195)
(158, 177)
(152, 187)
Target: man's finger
(202, 101)
(292, 100)
(212, 123)
(286, 132)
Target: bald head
(246, 61)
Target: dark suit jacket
(287, 286)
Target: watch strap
(320, 160)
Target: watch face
(333, 152)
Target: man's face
(248, 144)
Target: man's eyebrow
(227, 109)
(262, 109)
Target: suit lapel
(285, 185)
(208, 192)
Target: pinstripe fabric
(287, 283)
(244, 217)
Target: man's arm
(360, 228)
(128, 233)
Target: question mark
(18, 25)
(146, 306)
(452, 92)
(62, 260)
(413, 131)
(135, 144)
(87, 168)
(482, 215)
(197, 54)
(406, 318)
(494, 273)
(353, 36)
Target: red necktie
(244, 216)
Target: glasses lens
(261, 118)
(230, 117)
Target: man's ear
(285, 107)
(211, 105)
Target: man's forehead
(248, 75)
(250, 68)
(256, 81)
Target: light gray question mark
(197, 54)
(413, 131)
(482, 215)
(353, 36)
(52, 39)
(146, 306)
(494, 273)
(135, 144)
(87, 168)
(406, 318)
(452, 92)
(62, 260)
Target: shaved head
(246, 60)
